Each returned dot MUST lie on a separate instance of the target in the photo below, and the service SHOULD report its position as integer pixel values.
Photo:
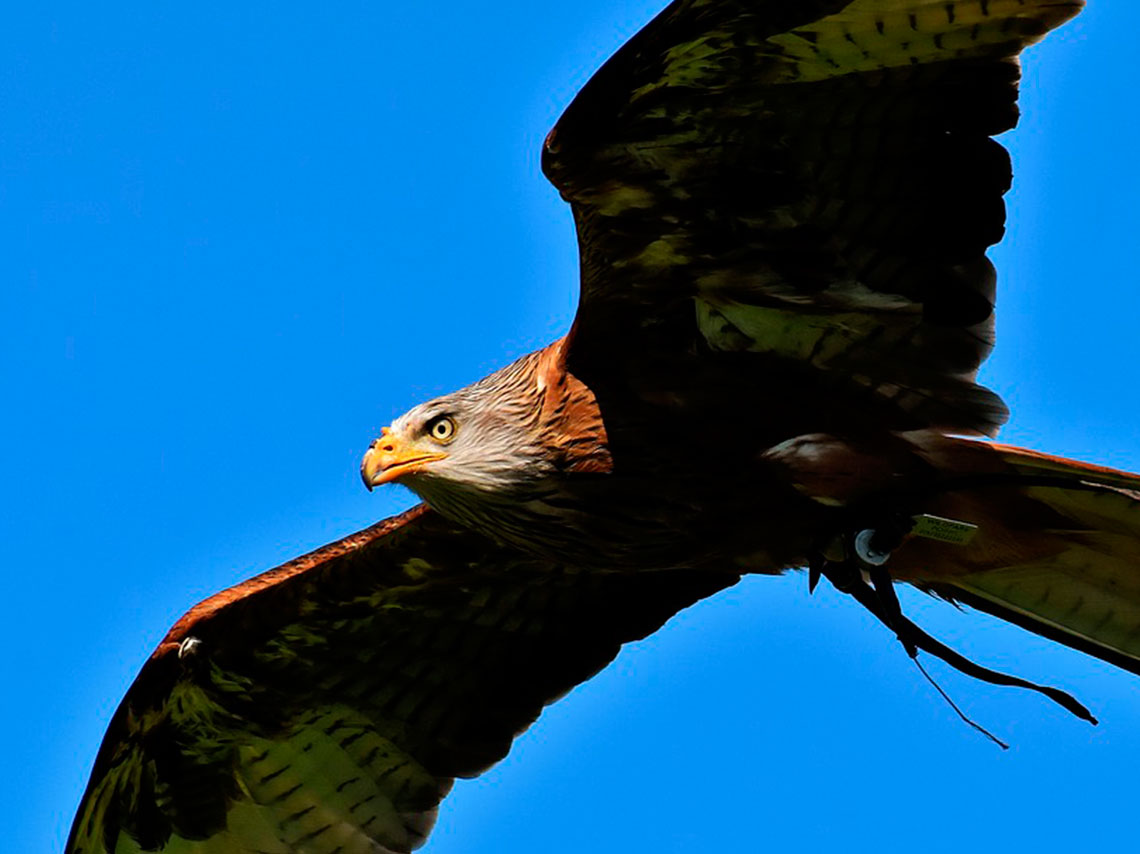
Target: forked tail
(1057, 550)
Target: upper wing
(818, 177)
(326, 705)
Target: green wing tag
(942, 529)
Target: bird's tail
(1056, 550)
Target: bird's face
(419, 443)
(479, 439)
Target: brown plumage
(783, 208)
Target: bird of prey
(783, 209)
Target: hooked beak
(391, 457)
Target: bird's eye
(442, 429)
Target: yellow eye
(442, 429)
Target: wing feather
(327, 705)
(810, 182)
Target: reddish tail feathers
(1057, 549)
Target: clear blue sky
(235, 245)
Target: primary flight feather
(783, 210)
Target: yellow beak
(391, 457)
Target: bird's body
(783, 210)
(662, 484)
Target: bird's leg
(861, 554)
(872, 548)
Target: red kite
(783, 210)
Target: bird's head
(482, 438)
(503, 436)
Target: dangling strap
(884, 605)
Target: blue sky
(235, 245)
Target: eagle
(782, 210)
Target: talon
(814, 573)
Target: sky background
(236, 244)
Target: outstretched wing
(811, 181)
(326, 705)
